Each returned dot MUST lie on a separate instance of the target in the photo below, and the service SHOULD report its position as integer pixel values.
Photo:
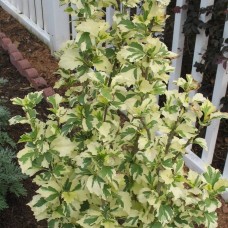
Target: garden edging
(24, 67)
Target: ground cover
(19, 215)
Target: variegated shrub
(108, 155)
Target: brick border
(24, 67)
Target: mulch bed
(19, 215)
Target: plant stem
(109, 84)
(145, 127)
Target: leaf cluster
(108, 155)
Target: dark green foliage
(10, 173)
(10, 177)
(5, 140)
(4, 117)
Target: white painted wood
(201, 41)
(25, 7)
(200, 44)
(24, 20)
(193, 162)
(225, 175)
(57, 24)
(46, 14)
(225, 195)
(109, 15)
(20, 5)
(218, 92)
(225, 170)
(39, 13)
(139, 9)
(178, 44)
(14, 2)
(32, 10)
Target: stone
(31, 74)
(47, 92)
(12, 48)
(5, 42)
(2, 35)
(39, 83)
(15, 57)
(23, 65)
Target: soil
(30, 46)
(18, 215)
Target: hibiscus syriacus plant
(108, 155)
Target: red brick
(47, 92)
(39, 83)
(15, 57)
(2, 35)
(5, 42)
(23, 65)
(31, 74)
(12, 48)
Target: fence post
(57, 23)
(219, 91)
(178, 43)
(201, 42)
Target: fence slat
(225, 170)
(39, 14)
(14, 2)
(218, 92)
(32, 11)
(46, 15)
(178, 43)
(26, 8)
(201, 41)
(57, 25)
(20, 5)
(109, 15)
(24, 20)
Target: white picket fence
(47, 20)
(44, 18)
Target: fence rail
(47, 20)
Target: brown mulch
(19, 215)
(30, 46)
